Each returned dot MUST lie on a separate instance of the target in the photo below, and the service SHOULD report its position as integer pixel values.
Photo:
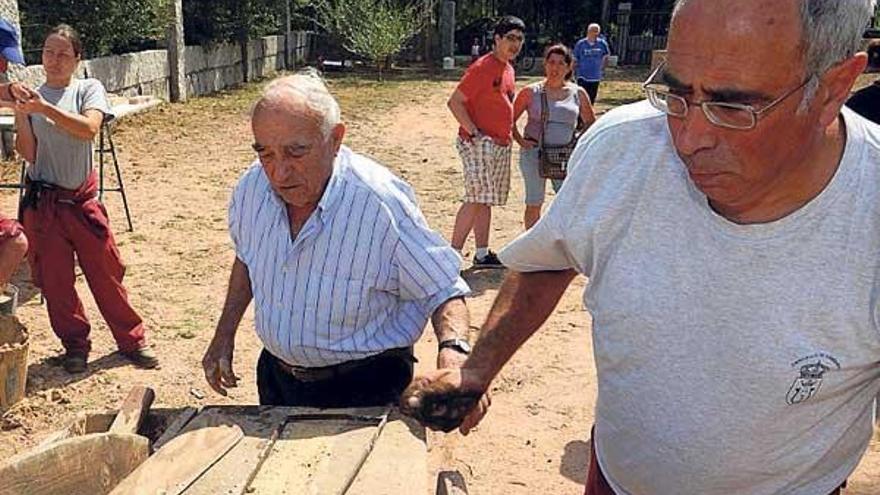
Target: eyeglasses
(516, 38)
(722, 114)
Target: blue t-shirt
(589, 58)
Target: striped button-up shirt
(363, 275)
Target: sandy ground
(180, 163)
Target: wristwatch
(460, 345)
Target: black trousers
(591, 87)
(378, 381)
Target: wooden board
(317, 455)
(180, 462)
(13, 361)
(231, 474)
(398, 464)
(451, 483)
(84, 465)
(133, 410)
(175, 426)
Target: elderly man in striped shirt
(341, 265)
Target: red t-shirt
(489, 86)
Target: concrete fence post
(288, 64)
(447, 29)
(177, 54)
(623, 12)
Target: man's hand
(447, 399)
(527, 143)
(217, 364)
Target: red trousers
(596, 482)
(60, 223)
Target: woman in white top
(569, 109)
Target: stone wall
(211, 69)
(208, 69)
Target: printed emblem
(811, 371)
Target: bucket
(9, 300)
(448, 63)
(13, 361)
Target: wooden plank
(451, 483)
(398, 464)
(13, 361)
(176, 425)
(180, 462)
(133, 410)
(232, 473)
(85, 465)
(317, 456)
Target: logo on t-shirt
(811, 371)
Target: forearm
(238, 297)
(25, 141)
(459, 111)
(524, 302)
(78, 126)
(517, 135)
(451, 320)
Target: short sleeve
(94, 97)
(425, 263)
(541, 248)
(238, 222)
(605, 47)
(577, 52)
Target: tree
(374, 29)
(105, 26)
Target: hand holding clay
(446, 399)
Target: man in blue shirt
(339, 261)
(591, 55)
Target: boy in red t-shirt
(483, 106)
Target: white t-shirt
(731, 358)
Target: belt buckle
(305, 374)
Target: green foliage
(374, 29)
(557, 20)
(105, 26)
(214, 21)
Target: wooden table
(355, 451)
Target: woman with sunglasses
(62, 217)
(568, 109)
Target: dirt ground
(180, 163)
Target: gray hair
(594, 25)
(831, 31)
(308, 85)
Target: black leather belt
(317, 374)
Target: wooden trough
(263, 450)
(13, 361)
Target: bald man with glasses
(730, 229)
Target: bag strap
(545, 115)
